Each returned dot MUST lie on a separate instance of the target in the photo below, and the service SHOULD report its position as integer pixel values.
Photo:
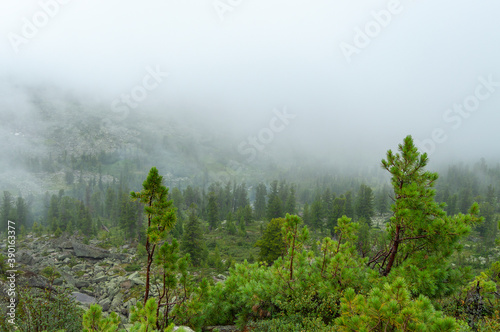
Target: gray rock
(117, 302)
(183, 329)
(98, 269)
(33, 280)
(126, 284)
(82, 284)
(82, 250)
(100, 279)
(58, 281)
(63, 243)
(138, 281)
(24, 257)
(113, 289)
(105, 304)
(65, 256)
(78, 267)
(84, 298)
(68, 278)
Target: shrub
(40, 310)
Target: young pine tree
(160, 215)
(422, 237)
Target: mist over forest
(251, 120)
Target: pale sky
(231, 62)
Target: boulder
(100, 278)
(78, 267)
(84, 298)
(83, 250)
(105, 304)
(63, 243)
(127, 284)
(82, 284)
(136, 279)
(24, 257)
(117, 302)
(31, 279)
(68, 278)
(183, 329)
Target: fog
(350, 79)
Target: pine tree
(422, 237)
(160, 216)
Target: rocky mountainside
(51, 126)
(94, 274)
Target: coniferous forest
(409, 250)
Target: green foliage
(132, 267)
(37, 229)
(260, 201)
(364, 203)
(49, 310)
(300, 284)
(3, 266)
(93, 320)
(422, 237)
(160, 214)
(213, 211)
(390, 308)
(293, 323)
(275, 204)
(193, 242)
(272, 244)
(50, 273)
(141, 252)
(144, 319)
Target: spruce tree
(5, 210)
(349, 210)
(291, 202)
(272, 244)
(364, 204)
(274, 205)
(193, 242)
(213, 211)
(260, 201)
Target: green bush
(294, 323)
(132, 267)
(40, 310)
